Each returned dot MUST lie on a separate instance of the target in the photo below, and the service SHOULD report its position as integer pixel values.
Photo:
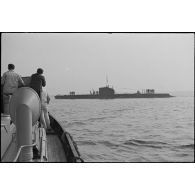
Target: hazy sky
(81, 61)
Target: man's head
(40, 71)
(11, 67)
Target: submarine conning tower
(106, 92)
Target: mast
(107, 81)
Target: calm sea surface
(130, 130)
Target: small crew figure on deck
(10, 81)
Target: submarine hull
(115, 96)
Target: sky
(81, 62)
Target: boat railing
(20, 150)
(5, 127)
(74, 147)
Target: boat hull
(69, 146)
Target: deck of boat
(55, 149)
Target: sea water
(130, 130)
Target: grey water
(130, 130)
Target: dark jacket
(37, 81)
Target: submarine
(109, 93)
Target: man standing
(10, 81)
(38, 81)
